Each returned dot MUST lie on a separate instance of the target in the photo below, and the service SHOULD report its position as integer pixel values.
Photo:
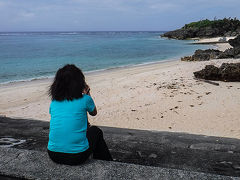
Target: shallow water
(25, 56)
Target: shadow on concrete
(182, 151)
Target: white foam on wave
(12, 34)
(68, 33)
(27, 80)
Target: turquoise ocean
(26, 56)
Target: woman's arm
(87, 91)
(94, 112)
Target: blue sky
(109, 15)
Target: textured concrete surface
(181, 151)
(36, 165)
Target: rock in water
(226, 72)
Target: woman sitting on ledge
(71, 138)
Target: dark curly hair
(68, 84)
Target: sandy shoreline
(159, 96)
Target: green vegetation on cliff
(214, 23)
(207, 28)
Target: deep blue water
(25, 56)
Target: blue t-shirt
(68, 125)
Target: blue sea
(34, 55)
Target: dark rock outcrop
(181, 34)
(226, 72)
(235, 42)
(187, 58)
(230, 53)
(210, 72)
(203, 55)
(230, 71)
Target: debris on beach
(207, 81)
(173, 86)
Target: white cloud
(27, 15)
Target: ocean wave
(132, 65)
(12, 34)
(68, 33)
(27, 80)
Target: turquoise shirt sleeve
(89, 103)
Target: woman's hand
(86, 90)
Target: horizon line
(86, 31)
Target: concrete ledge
(36, 165)
(154, 150)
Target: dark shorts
(97, 147)
(69, 158)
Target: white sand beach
(161, 96)
(217, 41)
